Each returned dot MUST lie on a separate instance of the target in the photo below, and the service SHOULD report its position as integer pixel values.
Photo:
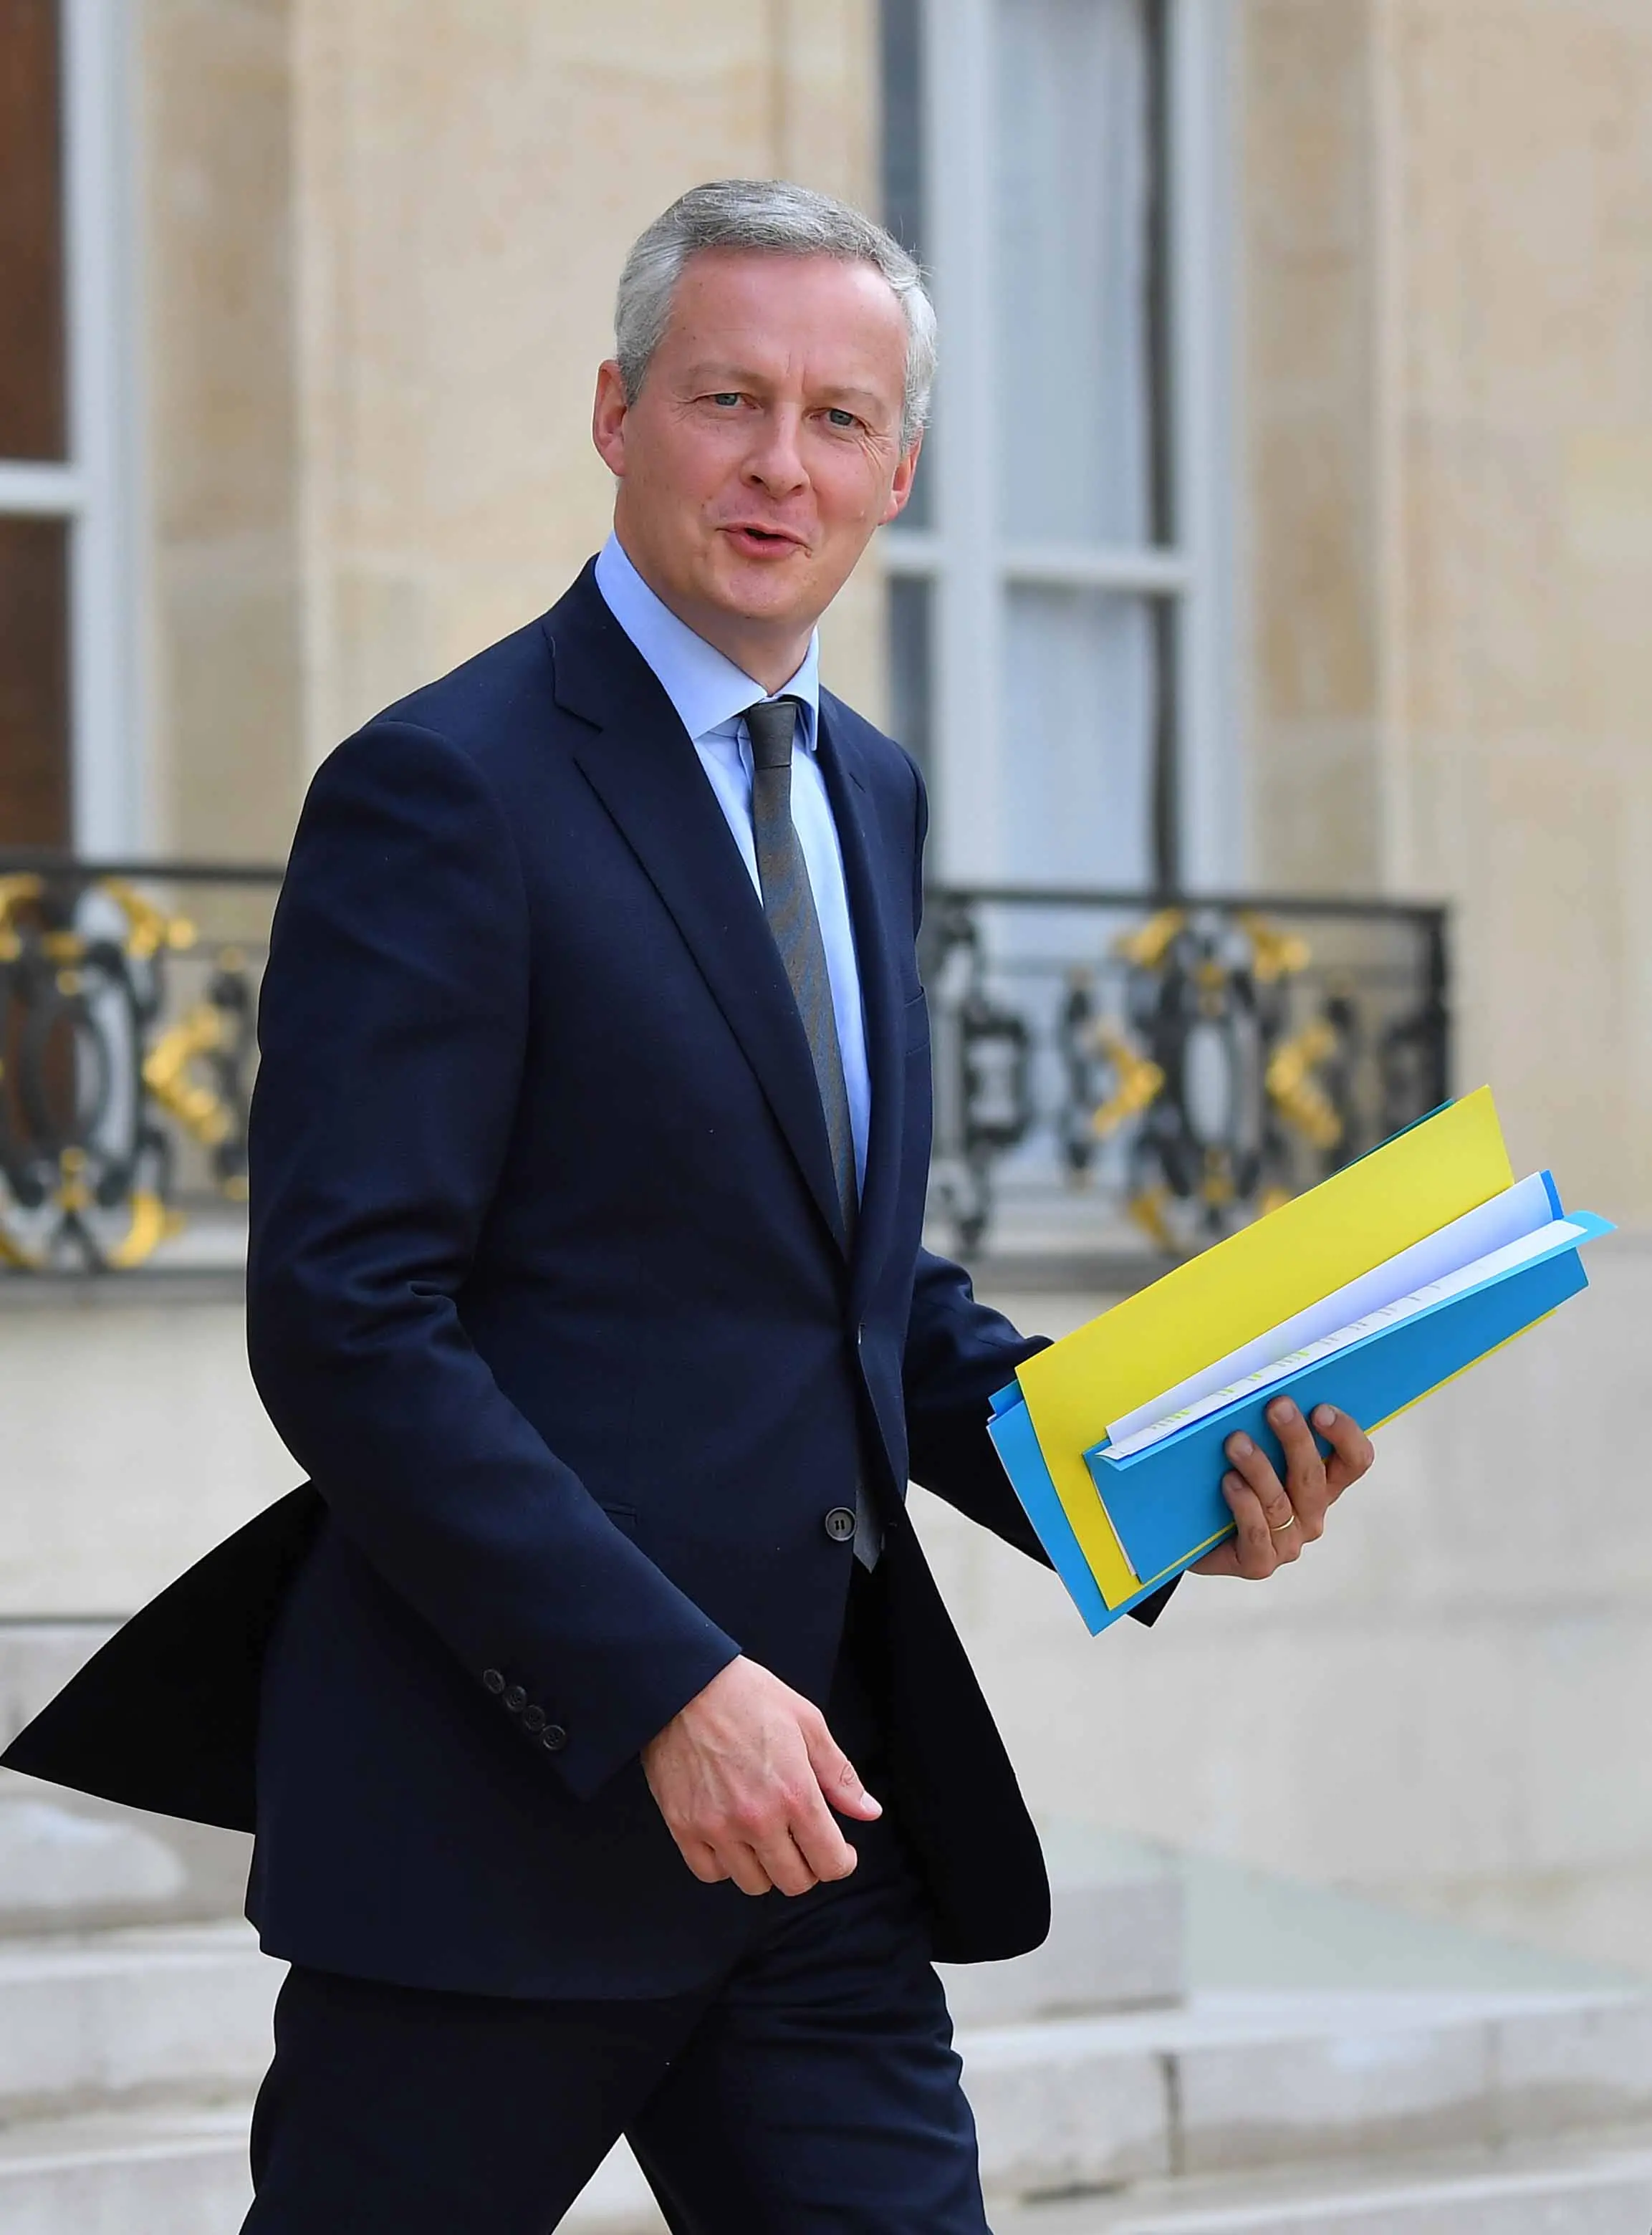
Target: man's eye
(841, 418)
(727, 397)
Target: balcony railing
(1128, 1072)
(1112, 1069)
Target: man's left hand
(1274, 1520)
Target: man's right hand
(742, 1776)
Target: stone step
(1232, 2082)
(1223, 2082)
(114, 2017)
(68, 1863)
(37, 1658)
(1114, 1945)
(157, 2171)
(172, 2169)
(1248, 2084)
(1602, 2189)
(103, 2017)
(166, 2171)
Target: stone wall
(135, 1441)
(384, 239)
(1449, 471)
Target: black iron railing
(128, 998)
(1163, 1068)
(1105, 1063)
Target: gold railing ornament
(15, 1257)
(125, 1053)
(150, 930)
(152, 1224)
(1147, 946)
(1296, 1093)
(14, 892)
(1274, 953)
(1149, 1208)
(1217, 1185)
(166, 1073)
(1139, 1082)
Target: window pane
(902, 31)
(911, 656)
(1074, 271)
(34, 683)
(1080, 717)
(900, 28)
(32, 416)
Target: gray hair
(777, 218)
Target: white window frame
(91, 491)
(969, 564)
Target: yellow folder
(1360, 1217)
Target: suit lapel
(846, 787)
(644, 769)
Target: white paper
(1518, 1211)
(1492, 1267)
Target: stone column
(1448, 460)
(218, 569)
(1521, 741)
(1311, 467)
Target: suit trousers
(812, 2091)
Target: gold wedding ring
(1284, 1525)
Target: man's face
(765, 447)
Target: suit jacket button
(533, 1720)
(552, 1738)
(494, 1680)
(840, 1525)
(515, 1699)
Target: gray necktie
(788, 903)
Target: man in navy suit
(587, 1164)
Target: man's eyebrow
(718, 372)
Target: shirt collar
(705, 687)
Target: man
(618, 1768)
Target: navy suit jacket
(547, 1291)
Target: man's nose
(775, 460)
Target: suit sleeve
(958, 1352)
(391, 1030)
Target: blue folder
(1017, 1444)
(1165, 1501)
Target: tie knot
(772, 724)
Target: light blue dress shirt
(710, 693)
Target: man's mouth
(751, 535)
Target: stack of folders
(1389, 1278)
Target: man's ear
(608, 417)
(901, 486)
